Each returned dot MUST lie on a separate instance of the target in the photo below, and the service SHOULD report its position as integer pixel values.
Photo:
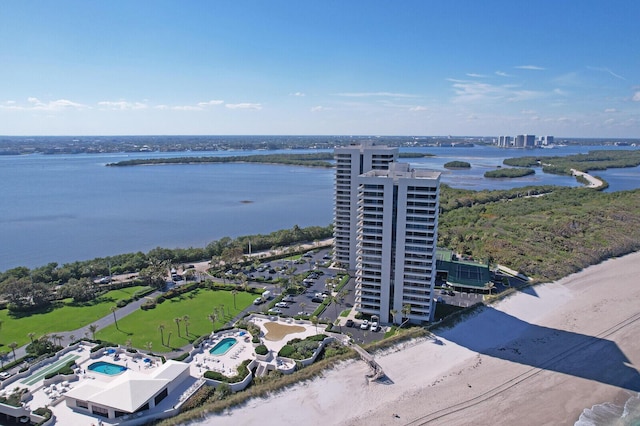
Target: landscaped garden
(178, 321)
(63, 316)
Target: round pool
(223, 346)
(106, 368)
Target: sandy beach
(538, 357)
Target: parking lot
(316, 265)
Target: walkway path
(593, 182)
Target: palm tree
(234, 292)
(302, 306)
(127, 343)
(31, 336)
(148, 345)
(93, 328)
(113, 311)
(161, 328)
(3, 358)
(177, 321)
(314, 321)
(394, 312)
(57, 338)
(169, 339)
(213, 318)
(186, 319)
(72, 338)
(13, 346)
(406, 310)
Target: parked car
(349, 323)
(374, 326)
(451, 293)
(317, 300)
(282, 305)
(258, 301)
(275, 311)
(288, 298)
(364, 325)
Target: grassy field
(68, 317)
(142, 327)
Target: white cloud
(502, 74)
(609, 121)
(376, 94)
(162, 107)
(208, 103)
(319, 108)
(527, 111)
(186, 108)
(608, 71)
(297, 94)
(530, 67)
(418, 108)
(610, 110)
(473, 91)
(474, 75)
(636, 97)
(244, 105)
(57, 105)
(122, 105)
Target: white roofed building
(129, 392)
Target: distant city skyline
(320, 68)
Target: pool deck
(52, 395)
(226, 363)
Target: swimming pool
(106, 368)
(223, 346)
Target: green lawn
(143, 326)
(68, 317)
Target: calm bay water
(62, 208)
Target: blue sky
(560, 67)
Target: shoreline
(541, 356)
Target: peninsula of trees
(320, 159)
(594, 160)
(457, 165)
(509, 173)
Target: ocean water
(609, 414)
(63, 208)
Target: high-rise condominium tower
(396, 233)
(352, 161)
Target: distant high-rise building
(352, 161)
(518, 141)
(529, 141)
(397, 230)
(504, 141)
(547, 140)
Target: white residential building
(396, 233)
(352, 161)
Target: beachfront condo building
(351, 162)
(396, 234)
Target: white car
(282, 305)
(374, 326)
(275, 311)
(364, 325)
